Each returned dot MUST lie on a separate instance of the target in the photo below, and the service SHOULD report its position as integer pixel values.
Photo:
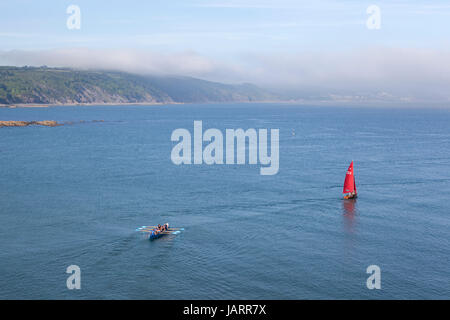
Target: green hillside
(42, 85)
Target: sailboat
(349, 190)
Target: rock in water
(48, 123)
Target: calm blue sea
(74, 195)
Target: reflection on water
(349, 211)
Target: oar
(164, 232)
(148, 231)
(146, 227)
(168, 231)
(149, 228)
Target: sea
(74, 195)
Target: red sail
(349, 184)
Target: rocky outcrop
(48, 123)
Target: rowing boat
(153, 235)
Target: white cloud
(135, 61)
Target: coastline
(47, 105)
(311, 103)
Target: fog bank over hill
(377, 74)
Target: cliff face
(65, 86)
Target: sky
(311, 49)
